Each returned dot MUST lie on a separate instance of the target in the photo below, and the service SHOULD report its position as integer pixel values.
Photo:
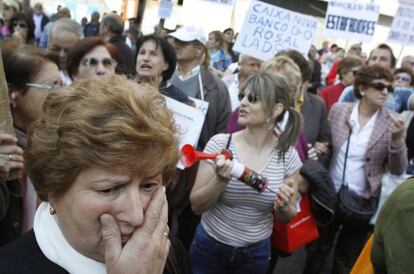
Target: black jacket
(124, 56)
(11, 211)
(322, 191)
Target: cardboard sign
(402, 28)
(351, 20)
(166, 7)
(268, 29)
(189, 120)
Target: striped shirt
(242, 216)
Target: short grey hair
(65, 24)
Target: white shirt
(192, 73)
(37, 19)
(232, 83)
(354, 174)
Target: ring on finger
(165, 234)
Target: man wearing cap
(196, 81)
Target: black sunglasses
(251, 98)
(22, 25)
(381, 86)
(93, 62)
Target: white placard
(165, 10)
(189, 120)
(223, 2)
(402, 27)
(268, 29)
(351, 20)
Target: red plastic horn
(189, 155)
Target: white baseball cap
(189, 33)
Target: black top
(124, 56)
(24, 256)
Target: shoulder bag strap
(346, 156)
(228, 141)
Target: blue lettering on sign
(347, 24)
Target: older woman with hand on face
(155, 64)
(91, 57)
(100, 157)
(31, 74)
(237, 221)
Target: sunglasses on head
(381, 86)
(93, 62)
(21, 25)
(250, 97)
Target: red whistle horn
(189, 155)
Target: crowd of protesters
(89, 183)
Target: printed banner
(402, 27)
(268, 29)
(351, 20)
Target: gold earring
(52, 211)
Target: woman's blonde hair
(100, 122)
(285, 67)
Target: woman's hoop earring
(52, 211)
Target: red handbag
(301, 230)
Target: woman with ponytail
(237, 221)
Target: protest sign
(402, 27)
(351, 20)
(165, 10)
(223, 2)
(268, 29)
(189, 121)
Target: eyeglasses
(45, 86)
(381, 86)
(93, 62)
(21, 25)
(403, 78)
(250, 97)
